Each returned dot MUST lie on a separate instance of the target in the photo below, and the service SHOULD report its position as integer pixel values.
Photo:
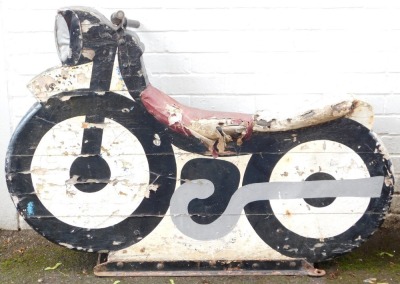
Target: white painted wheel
(127, 187)
(319, 156)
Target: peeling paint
(157, 140)
(86, 125)
(214, 129)
(149, 188)
(88, 53)
(60, 79)
(66, 245)
(308, 118)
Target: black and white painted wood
(105, 162)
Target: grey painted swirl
(202, 188)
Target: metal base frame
(205, 268)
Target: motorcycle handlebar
(133, 24)
(118, 18)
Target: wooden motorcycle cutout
(104, 157)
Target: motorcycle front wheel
(318, 229)
(92, 200)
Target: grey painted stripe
(367, 187)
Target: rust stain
(86, 125)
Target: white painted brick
(37, 64)
(367, 83)
(247, 62)
(19, 107)
(189, 85)
(182, 99)
(225, 103)
(392, 61)
(387, 124)
(154, 42)
(8, 216)
(16, 86)
(167, 63)
(396, 163)
(394, 81)
(278, 104)
(392, 105)
(228, 41)
(392, 143)
(22, 5)
(345, 40)
(327, 19)
(361, 62)
(284, 83)
(375, 100)
(210, 19)
(30, 20)
(333, 64)
(31, 43)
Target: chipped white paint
(60, 79)
(207, 131)
(363, 113)
(167, 243)
(389, 179)
(69, 78)
(264, 122)
(66, 245)
(157, 140)
(174, 114)
(312, 157)
(124, 192)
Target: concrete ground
(25, 255)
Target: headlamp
(68, 36)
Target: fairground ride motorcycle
(96, 164)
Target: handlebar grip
(118, 18)
(133, 24)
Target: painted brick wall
(227, 55)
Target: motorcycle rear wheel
(322, 228)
